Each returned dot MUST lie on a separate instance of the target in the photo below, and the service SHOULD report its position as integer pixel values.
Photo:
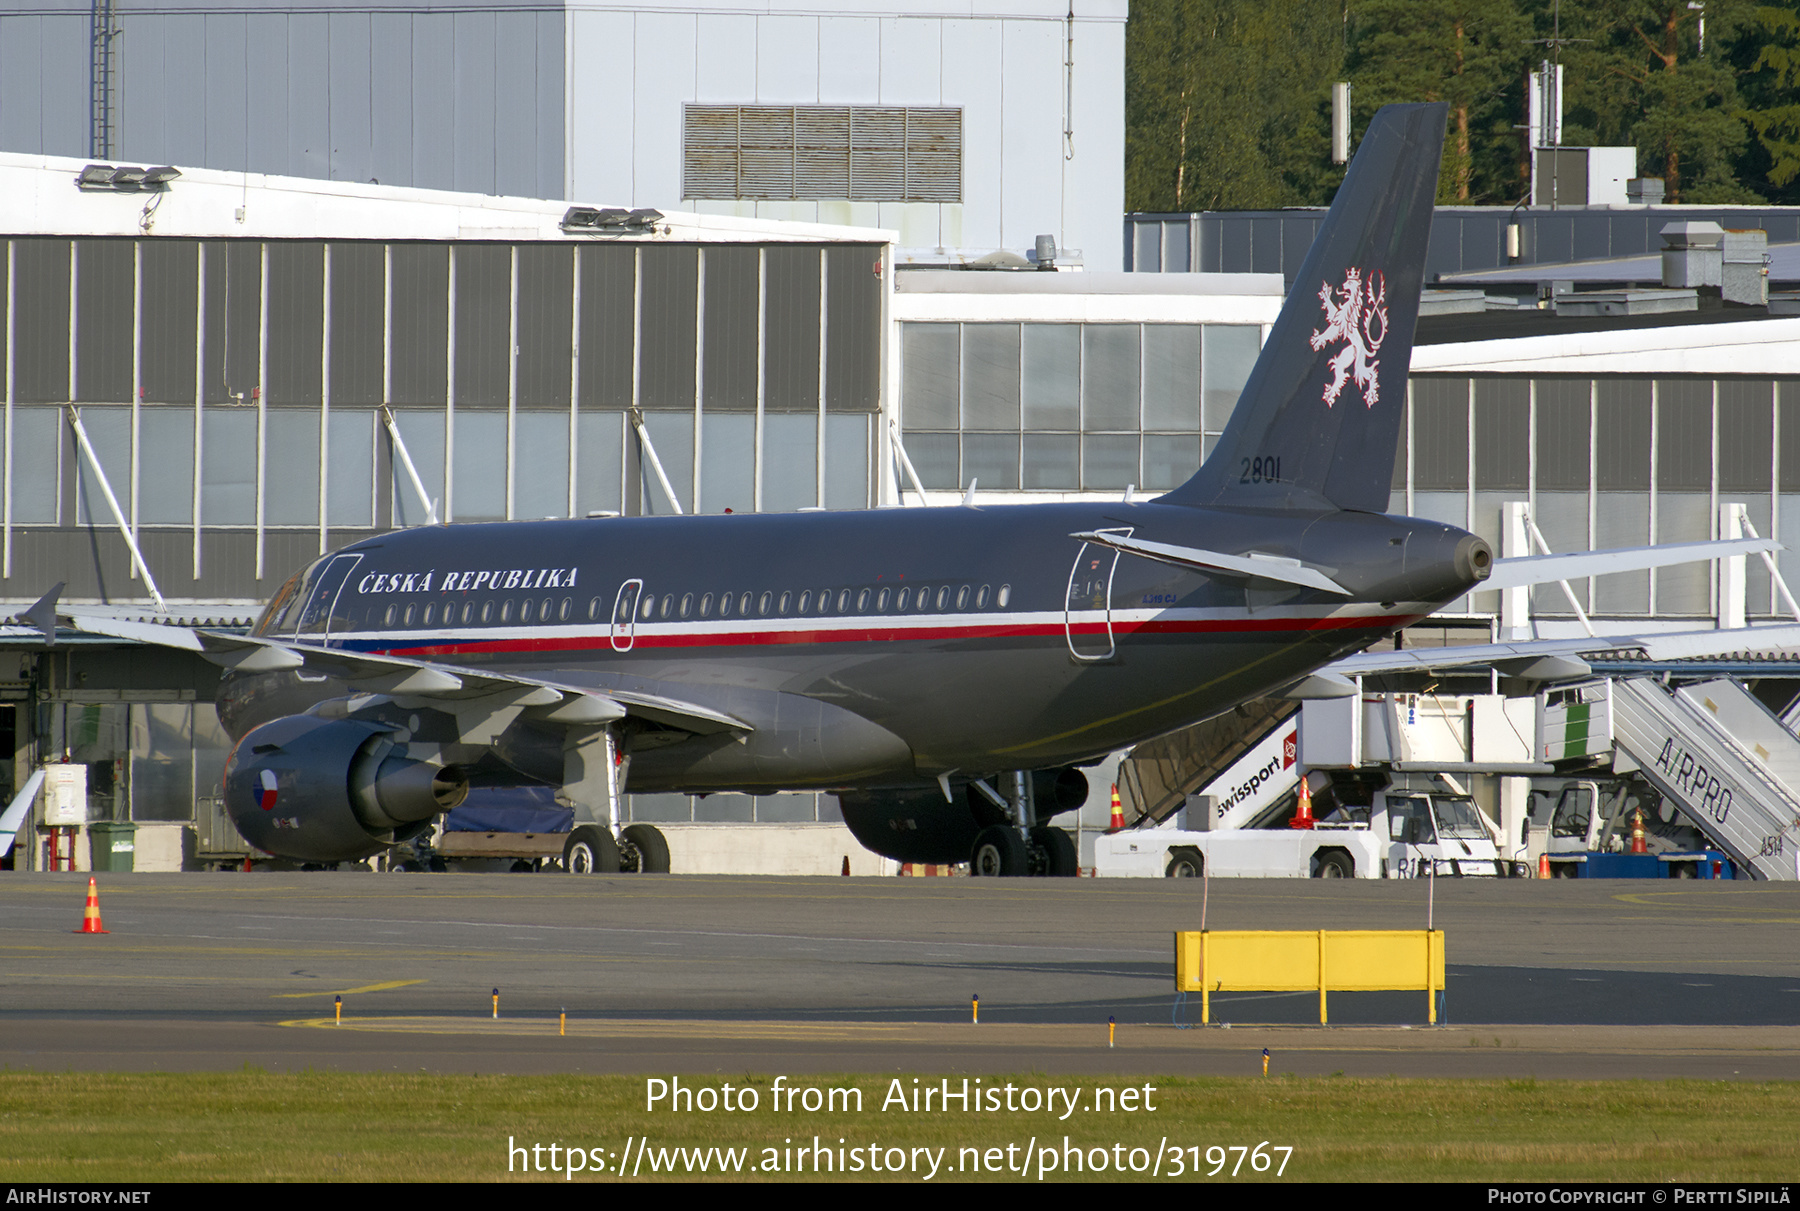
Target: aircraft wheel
(643, 850)
(1335, 866)
(1058, 848)
(590, 850)
(999, 851)
(1186, 863)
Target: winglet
(43, 614)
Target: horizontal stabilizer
(1546, 569)
(1253, 566)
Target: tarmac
(711, 974)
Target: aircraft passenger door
(624, 617)
(321, 614)
(1087, 610)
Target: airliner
(947, 672)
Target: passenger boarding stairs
(1217, 757)
(1710, 748)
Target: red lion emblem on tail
(1357, 315)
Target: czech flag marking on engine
(267, 798)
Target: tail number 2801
(1264, 470)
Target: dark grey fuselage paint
(1031, 649)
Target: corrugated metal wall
(458, 94)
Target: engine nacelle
(332, 790)
(917, 825)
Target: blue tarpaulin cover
(510, 809)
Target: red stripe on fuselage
(715, 639)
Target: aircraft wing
(1544, 569)
(398, 676)
(1562, 659)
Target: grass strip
(255, 1126)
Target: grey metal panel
(224, 85)
(1684, 434)
(1746, 416)
(90, 564)
(1267, 237)
(171, 275)
(608, 277)
(732, 293)
(104, 303)
(421, 277)
(516, 138)
(550, 104)
(930, 376)
(212, 366)
(228, 564)
(546, 283)
(1564, 415)
(349, 97)
(265, 97)
(22, 98)
(41, 321)
(483, 322)
(473, 123)
(5, 319)
(1622, 416)
(357, 323)
(853, 301)
(432, 136)
(1235, 243)
(142, 121)
(791, 343)
(391, 98)
(64, 56)
(309, 87)
(1440, 433)
(296, 319)
(1788, 392)
(990, 385)
(666, 342)
(241, 346)
(184, 77)
(1502, 427)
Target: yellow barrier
(1342, 960)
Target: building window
(786, 152)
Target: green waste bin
(111, 845)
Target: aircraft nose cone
(1474, 559)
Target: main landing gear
(594, 772)
(1024, 847)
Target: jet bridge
(1710, 748)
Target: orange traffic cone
(1303, 817)
(1637, 833)
(1544, 865)
(90, 916)
(1118, 812)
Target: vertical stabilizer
(1318, 422)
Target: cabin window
(706, 601)
(668, 604)
(1005, 596)
(786, 600)
(806, 602)
(901, 600)
(649, 606)
(430, 613)
(544, 609)
(862, 601)
(725, 605)
(844, 601)
(744, 604)
(506, 610)
(593, 609)
(962, 598)
(487, 611)
(568, 608)
(762, 606)
(387, 617)
(943, 598)
(468, 612)
(687, 604)
(981, 598)
(525, 610)
(881, 601)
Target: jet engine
(915, 824)
(333, 790)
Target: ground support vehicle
(1414, 829)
